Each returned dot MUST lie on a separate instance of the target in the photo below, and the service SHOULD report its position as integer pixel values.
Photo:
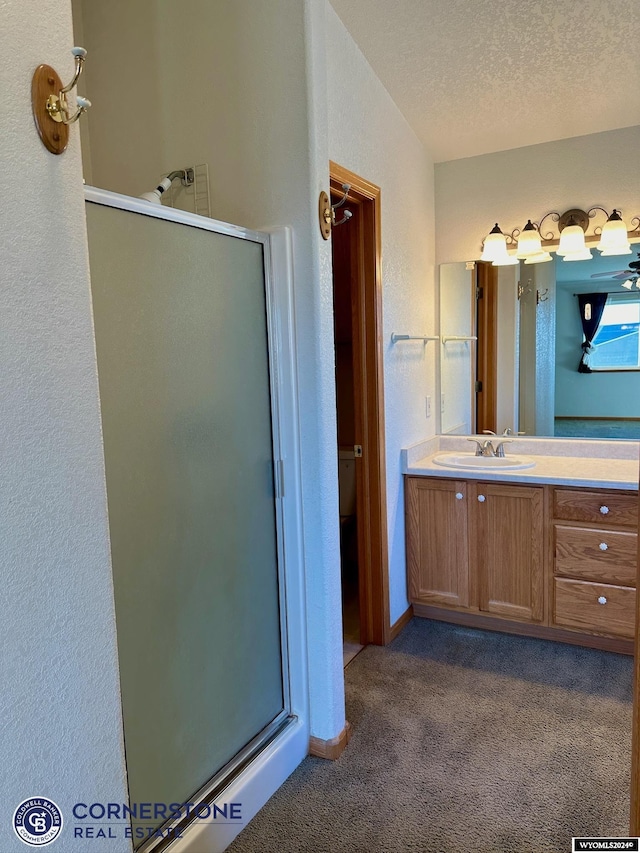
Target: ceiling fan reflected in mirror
(630, 277)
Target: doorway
(357, 301)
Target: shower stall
(193, 328)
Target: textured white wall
(511, 186)
(235, 85)
(59, 701)
(369, 135)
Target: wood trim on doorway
(371, 490)
(487, 347)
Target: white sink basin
(483, 463)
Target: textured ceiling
(476, 76)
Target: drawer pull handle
(604, 510)
(602, 600)
(481, 498)
(459, 496)
(603, 546)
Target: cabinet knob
(481, 498)
(604, 510)
(602, 600)
(459, 496)
(604, 546)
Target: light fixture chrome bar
(426, 338)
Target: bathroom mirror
(530, 330)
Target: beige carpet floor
(464, 741)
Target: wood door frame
(487, 346)
(371, 492)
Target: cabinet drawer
(600, 507)
(608, 556)
(577, 606)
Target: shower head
(155, 196)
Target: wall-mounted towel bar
(425, 338)
(448, 338)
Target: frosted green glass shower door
(184, 374)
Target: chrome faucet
(499, 448)
(483, 448)
(486, 448)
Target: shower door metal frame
(276, 247)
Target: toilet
(347, 482)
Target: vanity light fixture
(495, 248)
(529, 241)
(614, 239)
(530, 246)
(569, 238)
(539, 258)
(572, 245)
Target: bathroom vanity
(548, 550)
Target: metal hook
(523, 290)
(57, 105)
(51, 110)
(327, 212)
(347, 213)
(345, 218)
(346, 188)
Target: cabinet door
(437, 542)
(507, 550)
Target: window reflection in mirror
(535, 332)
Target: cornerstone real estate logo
(37, 821)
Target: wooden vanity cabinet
(507, 547)
(437, 541)
(476, 547)
(493, 554)
(595, 546)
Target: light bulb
(540, 258)
(582, 255)
(614, 239)
(495, 245)
(572, 241)
(529, 242)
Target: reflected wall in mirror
(522, 372)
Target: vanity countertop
(558, 462)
